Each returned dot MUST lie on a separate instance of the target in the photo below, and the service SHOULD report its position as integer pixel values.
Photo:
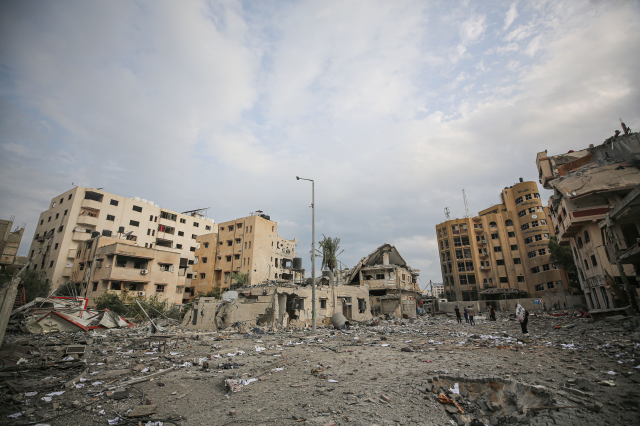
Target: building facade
(118, 265)
(9, 243)
(587, 184)
(248, 245)
(84, 213)
(502, 252)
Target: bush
(34, 286)
(112, 302)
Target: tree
(34, 286)
(330, 247)
(240, 280)
(112, 302)
(69, 289)
(216, 292)
(562, 256)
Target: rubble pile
(430, 370)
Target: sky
(392, 107)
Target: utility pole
(313, 254)
(466, 206)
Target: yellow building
(249, 245)
(501, 253)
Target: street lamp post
(313, 254)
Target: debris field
(427, 371)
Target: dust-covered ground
(398, 372)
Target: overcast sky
(391, 106)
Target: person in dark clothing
(524, 323)
(492, 313)
(458, 317)
(472, 313)
(466, 315)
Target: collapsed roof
(377, 258)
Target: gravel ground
(391, 373)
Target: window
(546, 236)
(517, 261)
(522, 213)
(70, 195)
(179, 289)
(169, 216)
(493, 225)
(160, 288)
(204, 260)
(528, 197)
(237, 257)
(251, 229)
(508, 222)
(520, 279)
(542, 252)
(53, 205)
(238, 240)
(95, 287)
(528, 240)
(538, 237)
(183, 220)
(151, 218)
(57, 215)
(206, 245)
(500, 262)
(134, 223)
(536, 195)
(586, 235)
(196, 224)
(192, 249)
(230, 243)
(525, 226)
(137, 208)
(42, 221)
(580, 245)
(111, 217)
(193, 236)
(228, 258)
(148, 231)
(115, 285)
(180, 234)
(593, 260)
(512, 234)
(546, 267)
(49, 219)
(207, 227)
(514, 247)
(539, 287)
(323, 303)
(534, 224)
(113, 202)
(550, 285)
(202, 275)
(230, 228)
(518, 200)
(494, 236)
(543, 221)
(497, 249)
(504, 280)
(166, 267)
(178, 246)
(535, 269)
(586, 265)
(531, 254)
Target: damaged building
(249, 245)
(9, 243)
(587, 185)
(393, 285)
(280, 305)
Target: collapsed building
(393, 285)
(587, 185)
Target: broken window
(546, 267)
(494, 236)
(528, 197)
(94, 196)
(542, 252)
(512, 234)
(116, 285)
(534, 224)
(531, 254)
(166, 267)
(514, 247)
(206, 245)
(238, 240)
(535, 270)
(228, 258)
(229, 243)
(528, 240)
(504, 280)
(204, 260)
(379, 276)
(539, 287)
(168, 216)
(520, 279)
(167, 229)
(230, 227)
(522, 213)
(497, 249)
(196, 224)
(525, 226)
(202, 275)
(160, 288)
(538, 237)
(593, 260)
(463, 280)
(550, 285)
(500, 262)
(362, 305)
(465, 241)
(518, 200)
(179, 246)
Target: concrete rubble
(429, 370)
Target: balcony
(485, 268)
(479, 230)
(127, 274)
(484, 254)
(66, 272)
(91, 204)
(481, 242)
(477, 219)
(84, 219)
(81, 236)
(72, 253)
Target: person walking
(466, 315)
(492, 313)
(523, 316)
(471, 313)
(458, 315)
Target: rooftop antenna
(446, 213)
(466, 206)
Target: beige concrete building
(117, 265)
(501, 253)
(9, 243)
(587, 185)
(280, 306)
(82, 213)
(392, 283)
(249, 244)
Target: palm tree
(330, 247)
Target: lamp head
(297, 178)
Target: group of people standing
(469, 313)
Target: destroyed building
(117, 265)
(587, 185)
(393, 285)
(9, 243)
(503, 252)
(247, 245)
(80, 214)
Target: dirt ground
(392, 373)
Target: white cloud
(510, 16)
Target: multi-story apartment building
(588, 184)
(82, 213)
(249, 244)
(502, 252)
(120, 266)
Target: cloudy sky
(391, 106)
